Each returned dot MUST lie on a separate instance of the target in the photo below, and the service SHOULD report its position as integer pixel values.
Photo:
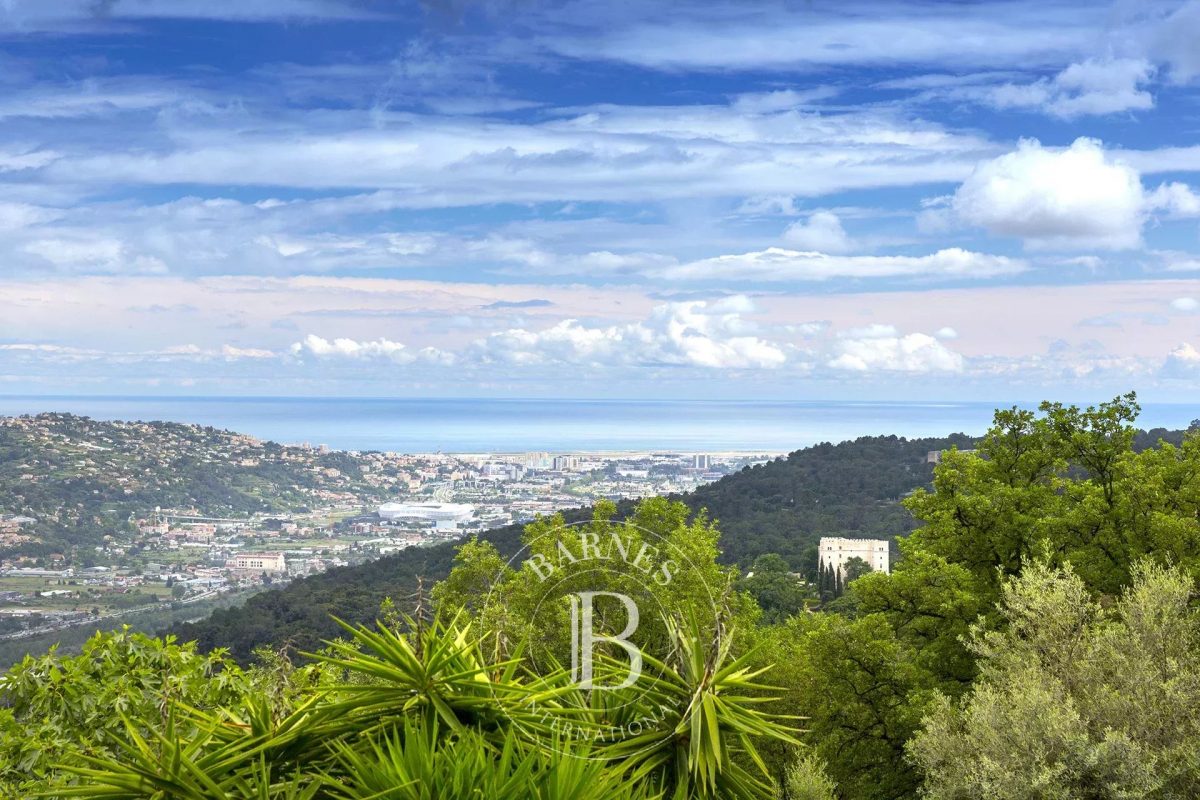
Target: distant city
(174, 557)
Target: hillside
(82, 480)
(783, 506)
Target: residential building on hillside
(835, 551)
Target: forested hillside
(783, 507)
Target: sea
(490, 425)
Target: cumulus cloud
(377, 349)
(1182, 362)
(882, 348)
(694, 333)
(1079, 197)
(1092, 87)
(1185, 304)
(822, 231)
(780, 264)
(1176, 199)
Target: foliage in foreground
(393, 711)
(1075, 700)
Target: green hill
(783, 507)
(84, 479)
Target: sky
(803, 201)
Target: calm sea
(499, 425)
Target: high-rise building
(565, 463)
(537, 460)
(702, 461)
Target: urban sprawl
(181, 556)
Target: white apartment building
(835, 551)
(258, 562)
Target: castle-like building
(835, 551)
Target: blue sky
(806, 200)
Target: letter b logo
(584, 638)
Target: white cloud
(778, 264)
(1177, 261)
(822, 231)
(748, 37)
(1073, 198)
(350, 348)
(881, 348)
(1183, 362)
(1091, 87)
(777, 205)
(1173, 39)
(1185, 304)
(167, 354)
(1177, 199)
(231, 352)
(946, 333)
(430, 161)
(87, 252)
(1092, 263)
(781, 100)
(694, 333)
(19, 216)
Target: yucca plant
(415, 762)
(437, 672)
(171, 766)
(424, 714)
(709, 705)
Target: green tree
(1065, 483)
(509, 599)
(1068, 483)
(778, 592)
(1075, 699)
(855, 568)
(862, 692)
(806, 779)
(58, 708)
